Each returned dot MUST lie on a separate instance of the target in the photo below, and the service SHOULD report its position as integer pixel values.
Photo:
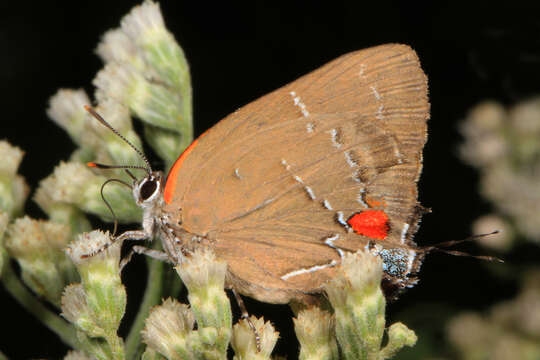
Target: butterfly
(283, 187)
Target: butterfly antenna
(130, 174)
(125, 167)
(105, 123)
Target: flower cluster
(78, 270)
(509, 330)
(503, 144)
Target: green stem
(117, 346)
(151, 297)
(55, 323)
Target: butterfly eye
(147, 189)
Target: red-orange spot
(170, 185)
(375, 202)
(370, 223)
(91, 164)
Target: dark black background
(470, 51)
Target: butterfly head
(148, 191)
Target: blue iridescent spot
(395, 261)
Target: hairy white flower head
(11, 158)
(116, 46)
(243, 339)
(143, 19)
(66, 108)
(93, 246)
(167, 327)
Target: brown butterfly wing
(274, 183)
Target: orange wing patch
(370, 223)
(172, 177)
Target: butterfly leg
(133, 235)
(154, 254)
(245, 316)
